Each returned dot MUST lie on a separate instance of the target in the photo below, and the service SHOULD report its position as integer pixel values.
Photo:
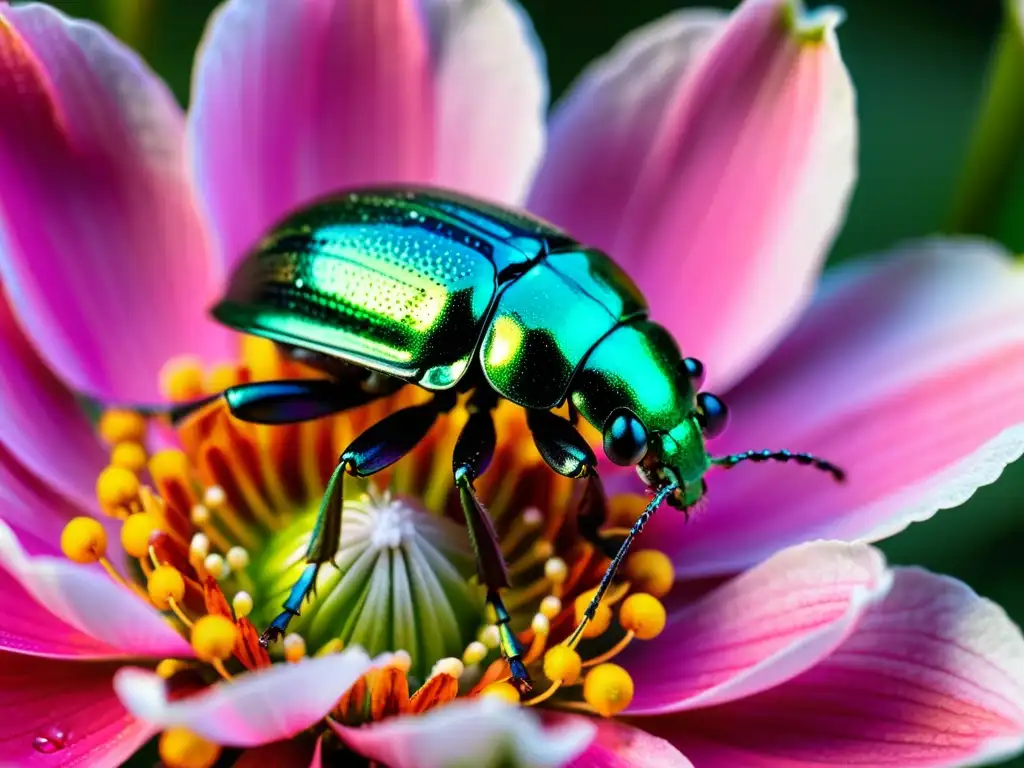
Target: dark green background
(919, 67)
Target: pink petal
(69, 705)
(258, 708)
(43, 427)
(618, 745)
(933, 676)
(297, 100)
(714, 161)
(760, 629)
(33, 511)
(478, 731)
(105, 259)
(83, 603)
(907, 372)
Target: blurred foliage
(919, 67)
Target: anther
(608, 688)
(214, 565)
(180, 748)
(643, 615)
(294, 648)
(602, 618)
(401, 659)
(214, 637)
(199, 547)
(448, 666)
(551, 606)
(130, 456)
(651, 571)
(242, 604)
(200, 514)
(182, 379)
(136, 533)
(533, 517)
(503, 691)
(170, 667)
(214, 497)
(121, 426)
(165, 584)
(555, 570)
(562, 665)
(84, 540)
(490, 636)
(237, 558)
(117, 489)
(474, 653)
(540, 624)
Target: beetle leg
(377, 448)
(473, 452)
(564, 450)
(285, 401)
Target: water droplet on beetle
(53, 739)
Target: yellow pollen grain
(130, 456)
(242, 604)
(180, 748)
(651, 571)
(117, 489)
(555, 570)
(294, 648)
(562, 665)
(165, 584)
(182, 379)
(490, 636)
(602, 616)
(551, 606)
(643, 615)
(122, 426)
(474, 653)
(136, 533)
(608, 688)
(84, 540)
(503, 691)
(214, 637)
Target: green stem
(998, 140)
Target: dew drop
(51, 740)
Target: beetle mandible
(384, 287)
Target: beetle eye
(694, 369)
(625, 438)
(712, 414)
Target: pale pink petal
(84, 601)
(297, 100)
(258, 708)
(103, 255)
(907, 372)
(758, 630)
(63, 714)
(478, 731)
(618, 745)
(933, 677)
(43, 426)
(32, 510)
(714, 162)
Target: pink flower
(713, 158)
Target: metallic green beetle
(392, 286)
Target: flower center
(219, 530)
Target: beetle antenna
(806, 459)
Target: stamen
(118, 426)
(602, 619)
(242, 604)
(608, 688)
(136, 533)
(168, 668)
(117, 490)
(490, 636)
(643, 615)
(84, 540)
(504, 691)
(551, 606)
(448, 666)
(201, 519)
(651, 571)
(130, 456)
(214, 565)
(475, 653)
(556, 571)
(294, 648)
(562, 666)
(541, 629)
(181, 380)
(180, 748)
(166, 588)
(213, 639)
